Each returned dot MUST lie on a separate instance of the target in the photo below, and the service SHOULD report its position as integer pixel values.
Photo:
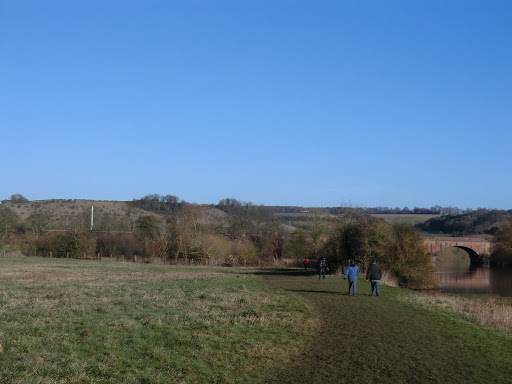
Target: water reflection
(455, 274)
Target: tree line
(434, 210)
(171, 230)
(175, 230)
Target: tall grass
(389, 279)
(495, 312)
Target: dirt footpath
(366, 339)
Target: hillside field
(61, 213)
(321, 220)
(412, 219)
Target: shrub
(60, 244)
(362, 239)
(502, 244)
(407, 258)
(398, 247)
(119, 246)
(219, 247)
(298, 246)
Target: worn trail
(367, 339)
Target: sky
(315, 103)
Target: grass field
(311, 221)
(69, 321)
(77, 321)
(407, 219)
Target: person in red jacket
(306, 262)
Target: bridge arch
(476, 248)
(473, 256)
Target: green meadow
(82, 321)
(71, 321)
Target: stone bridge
(477, 248)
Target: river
(455, 274)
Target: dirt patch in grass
(35, 269)
(61, 276)
(58, 276)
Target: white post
(92, 216)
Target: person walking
(374, 274)
(352, 271)
(323, 265)
(305, 262)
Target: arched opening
(457, 259)
(473, 256)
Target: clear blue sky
(312, 103)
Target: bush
(60, 244)
(398, 247)
(245, 251)
(298, 246)
(407, 258)
(119, 246)
(361, 239)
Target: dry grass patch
(495, 312)
(37, 269)
(389, 279)
(41, 276)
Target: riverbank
(486, 310)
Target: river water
(455, 274)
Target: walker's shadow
(315, 291)
(285, 272)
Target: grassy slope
(61, 212)
(62, 209)
(310, 221)
(407, 219)
(367, 339)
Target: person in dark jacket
(374, 274)
(322, 267)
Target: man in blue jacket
(352, 271)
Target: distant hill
(311, 219)
(62, 213)
(410, 218)
(65, 209)
(122, 215)
(479, 222)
